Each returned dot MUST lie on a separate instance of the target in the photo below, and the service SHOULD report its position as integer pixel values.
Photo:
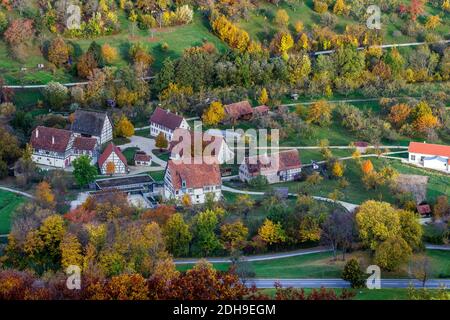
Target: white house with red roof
(114, 155)
(84, 146)
(51, 146)
(432, 156)
(277, 167)
(192, 179)
(166, 122)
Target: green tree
(83, 171)
(177, 235)
(205, 238)
(392, 253)
(352, 273)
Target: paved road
(147, 145)
(339, 283)
(385, 46)
(264, 257)
(25, 194)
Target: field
(8, 203)
(321, 266)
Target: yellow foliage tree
(71, 251)
(304, 41)
(320, 113)
(186, 200)
(109, 53)
(263, 97)
(271, 232)
(432, 22)
(337, 169)
(340, 7)
(124, 127)
(44, 195)
(299, 26)
(282, 18)
(214, 114)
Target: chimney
(37, 132)
(53, 140)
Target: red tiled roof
(213, 142)
(261, 109)
(424, 209)
(238, 109)
(50, 139)
(142, 156)
(84, 143)
(195, 175)
(282, 161)
(166, 118)
(110, 149)
(361, 144)
(430, 149)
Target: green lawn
(8, 203)
(129, 154)
(363, 294)
(321, 265)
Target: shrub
(352, 273)
(184, 15)
(109, 53)
(58, 52)
(3, 22)
(19, 31)
(55, 94)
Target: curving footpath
(28, 195)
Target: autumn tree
(71, 251)
(367, 167)
(416, 9)
(124, 127)
(44, 195)
(399, 114)
(392, 253)
(377, 221)
(432, 22)
(244, 203)
(177, 235)
(282, 43)
(337, 169)
(442, 208)
(19, 31)
(161, 141)
(83, 171)
(338, 231)
(58, 52)
(86, 65)
(234, 235)
(424, 118)
(320, 113)
(282, 18)
(340, 7)
(109, 53)
(263, 97)
(214, 114)
(272, 233)
(110, 168)
(411, 230)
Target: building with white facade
(83, 146)
(194, 180)
(52, 147)
(92, 124)
(166, 122)
(142, 159)
(431, 156)
(112, 161)
(197, 143)
(278, 167)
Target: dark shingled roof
(282, 161)
(166, 118)
(50, 139)
(84, 143)
(89, 122)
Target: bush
(3, 22)
(258, 182)
(55, 94)
(352, 273)
(147, 21)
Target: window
(413, 157)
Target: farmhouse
(85, 146)
(278, 167)
(261, 110)
(432, 156)
(166, 122)
(51, 146)
(238, 111)
(142, 159)
(93, 125)
(112, 161)
(194, 180)
(207, 145)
